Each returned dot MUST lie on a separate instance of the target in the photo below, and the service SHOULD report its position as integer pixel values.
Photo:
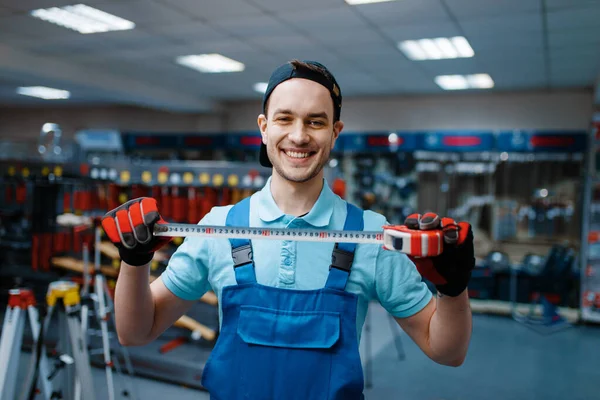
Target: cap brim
(264, 157)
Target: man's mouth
(298, 154)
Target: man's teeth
(296, 154)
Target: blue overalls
(286, 344)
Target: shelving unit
(590, 251)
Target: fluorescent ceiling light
(210, 63)
(44, 92)
(260, 87)
(461, 82)
(83, 19)
(436, 48)
(355, 2)
(480, 81)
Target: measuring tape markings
(270, 233)
(412, 242)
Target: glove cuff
(454, 289)
(135, 259)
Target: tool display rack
(590, 252)
(122, 171)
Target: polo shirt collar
(319, 215)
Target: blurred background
(483, 110)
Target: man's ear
(262, 125)
(338, 126)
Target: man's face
(299, 130)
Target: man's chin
(297, 176)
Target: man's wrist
(135, 260)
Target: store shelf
(506, 308)
(588, 315)
(590, 235)
(122, 171)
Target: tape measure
(399, 238)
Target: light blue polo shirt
(201, 264)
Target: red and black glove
(130, 228)
(450, 272)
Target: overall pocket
(286, 354)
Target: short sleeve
(398, 284)
(186, 275)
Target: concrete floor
(506, 361)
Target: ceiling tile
(458, 66)
(410, 32)
(6, 11)
(408, 82)
(259, 25)
(553, 4)
(533, 74)
(170, 52)
(324, 20)
(26, 26)
(405, 11)
(498, 26)
(574, 18)
(94, 46)
(510, 60)
(215, 10)
(29, 5)
(187, 32)
(277, 6)
(356, 84)
(533, 41)
(574, 53)
(489, 8)
(341, 37)
(576, 74)
(579, 37)
(506, 66)
(144, 12)
(278, 43)
(372, 53)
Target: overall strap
(241, 249)
(343, 253)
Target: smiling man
(291, 313)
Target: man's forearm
(134, 306)
(450, 329)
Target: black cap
(289, 71)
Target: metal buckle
(242, 255)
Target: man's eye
(284, 119)
(316, 123)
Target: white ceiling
(522, 44)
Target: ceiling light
(436, 48)
(83, 19)
(44, 92)
(463, 47)
(480, 81)
(260, 87)
(452, 82)
(355, 2)
(461, 82)
(210, 63)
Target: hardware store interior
(485, 112)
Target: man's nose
(299, 134)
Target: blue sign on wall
(541, 141)
(244, 140)
(458, 141)
(377, 142)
